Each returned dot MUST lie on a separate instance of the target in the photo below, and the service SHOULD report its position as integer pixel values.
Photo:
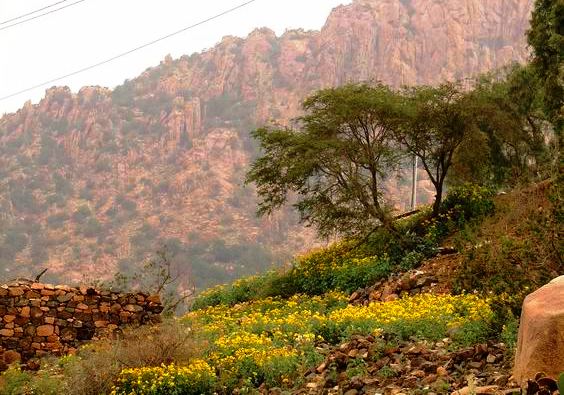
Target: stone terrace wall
(37, 318)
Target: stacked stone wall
(37, 318)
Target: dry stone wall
(37, 318)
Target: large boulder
(540, 345)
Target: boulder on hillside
(540, 345)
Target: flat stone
(100, 324)
(133, 308)
(391, 298)
(9, 318)
(441, 371)
(154, 299)
(45, 330)
(15, 291)
(25, 311)
(489, 389)
(64, 297)
(6, 332)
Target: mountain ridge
(94, 181)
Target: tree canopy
(546, 37)
(335, 159)
(435, 122)
(353, 138)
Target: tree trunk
(438, 200)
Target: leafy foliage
(546, 37)
(436, 121)
(514, 129)
(336, 161)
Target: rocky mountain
(93, 182)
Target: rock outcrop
(36, 318)
(540, 345)
(100, 178)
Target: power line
(130, 51)
(33, 12)
(40, 15)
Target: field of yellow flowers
(274, 341)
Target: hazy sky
(94, 30)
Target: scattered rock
(409, 366)
(411, 282)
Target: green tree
(509, 113)
(546, 37)
(435, 123)
(335, 160)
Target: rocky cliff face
(95, 181)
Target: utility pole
(414, 182)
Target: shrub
(194, 379)
(82, 214)
(360, 272)
(318, 272)
(15, 381)
(57, 221)
(91, 228)
(242, 290)
(18, 382)
(425, 316)
(338, 267)
(97, 366)
(516, 250)
(468, 202)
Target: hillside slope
(94, 181)
(363, 320)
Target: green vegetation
(267, 331)
(517, 249)
(349, 265)
(353, 137)
(271, 341)
(433, 124)
(546, 37)
(336, 163)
